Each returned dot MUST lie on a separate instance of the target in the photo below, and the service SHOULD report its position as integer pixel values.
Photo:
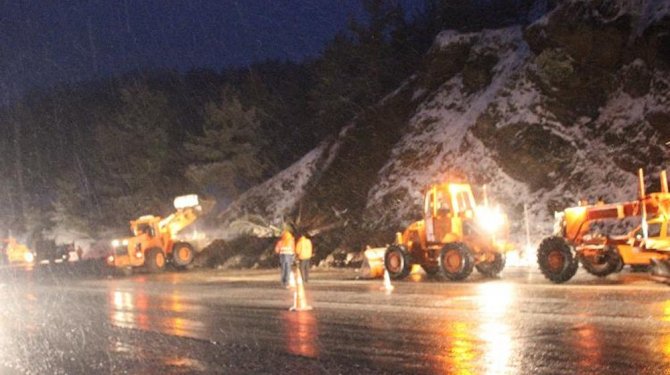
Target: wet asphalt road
(237, 322)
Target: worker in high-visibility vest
(285, 247)
(303, 250)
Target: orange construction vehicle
(455, 236)
(576, 241)
(155, 239)
(11, 251)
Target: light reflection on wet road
(238, 322)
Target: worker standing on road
(80, 253)
(303, 250)
(285, 247)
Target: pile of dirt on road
(242, 252)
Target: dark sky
(45, 42)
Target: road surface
(238, 322)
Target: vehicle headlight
(29, 257)
(490, 219)
(117, 243)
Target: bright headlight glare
(124, 242)
(115, 243)
(490, 219)
(29, 257)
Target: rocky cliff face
(565, 109)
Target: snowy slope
(444, 138)
(275, 199)
(543, 116)
(440, 128)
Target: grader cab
(575, 241)
(455, 236)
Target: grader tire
(492, 268)
(155, 260)
(556, 260)
(602, 265)
(620, 265)
(456, 261)
(397, 262)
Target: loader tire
(456, 261)
(556, 260)
(182, 254)
(397, 262)
(603, 264)
(492, 268)
(155, 260)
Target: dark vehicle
(48, 250)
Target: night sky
(46, 42)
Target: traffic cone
(291, 280)
(299, 298)
(388, 288)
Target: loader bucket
(373, 263)
(186, 201)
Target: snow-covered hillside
(565, 109)
(274, 200)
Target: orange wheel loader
(455, 236)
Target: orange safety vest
(304, 248)
(286, 244)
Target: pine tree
(134, 163)
(227, 157)
(358, 66)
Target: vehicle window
(654, 230)
(463, 201)
(443, 203)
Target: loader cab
(144, 225)
(449, 199)
(445, 207)
(144, 228)
(437, 203)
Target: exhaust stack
(644, 223)
(664, 181)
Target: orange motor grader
(155, 239)
(455, 236)
(575, 242)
